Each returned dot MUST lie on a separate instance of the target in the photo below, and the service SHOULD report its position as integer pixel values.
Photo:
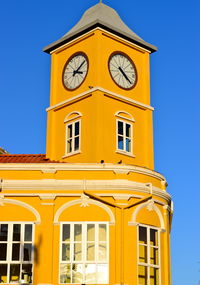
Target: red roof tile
(25, 158)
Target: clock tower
(100, 93)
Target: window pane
(90, 273)
(102, 232)
(77, 232)
(90, 232)
(14, 272)
(76, 145)
(66, 233)
(16, 232)
(153, 255)
(143, 235)
(27, 252)
(154, 273)
(69, 131)
(65, 273)
(102, 252)
(90, 251)
(26, 273)
(69, 145)
(128, 130)
(120, 128)
(143, 253)
(77, 273)
(102, 273)
(120, 143)
(153, 237)
(77, 251)
(142, 275)
(128, 145)
(65, 252)
(76, 128)
(28, 233)
(15, 251)
(3, 273)
(3, 232)
(3, 251)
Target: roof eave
(48, 49)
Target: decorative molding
(84, 200)
(47, 196)
(122, 197)
(53, 184)
(150, 205)
(153, 207)
(107, 93)
(49, 170)
(79, 201)
(25, 205)
(81, 166)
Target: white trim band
(107, 93)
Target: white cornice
(82, 185)
(107, 93)
(54, 167)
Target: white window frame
(124, 151)
(84, 260)
(10, 242)
(72, 122)
(148, 265)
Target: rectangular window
(73, 137)
(16, 252)
(148, 256)
(84, 253)
(124, 136)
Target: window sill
(125, 153)
(71, 153)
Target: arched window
(72, 138)
(150, 223)
(124, 132)
(148, 255)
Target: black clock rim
(73, 55)
(128, 57)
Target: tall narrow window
(16, 252)
(148, 257)
(73, 137)
(124, 136)
(84, 253)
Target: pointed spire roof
(101, 15)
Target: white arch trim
(118, 114)
(155, 208)
(24, 205)
(80, 201)
(76, 115)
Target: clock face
(75, 71)
(122, 70)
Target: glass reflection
(77, 273)
(90, 273)
(102, 273)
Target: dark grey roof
(103, 16)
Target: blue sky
(173, 26)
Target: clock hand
(77, 70)
(121, 70)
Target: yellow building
(92, 210)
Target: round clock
(75, 71)
(122, 70)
